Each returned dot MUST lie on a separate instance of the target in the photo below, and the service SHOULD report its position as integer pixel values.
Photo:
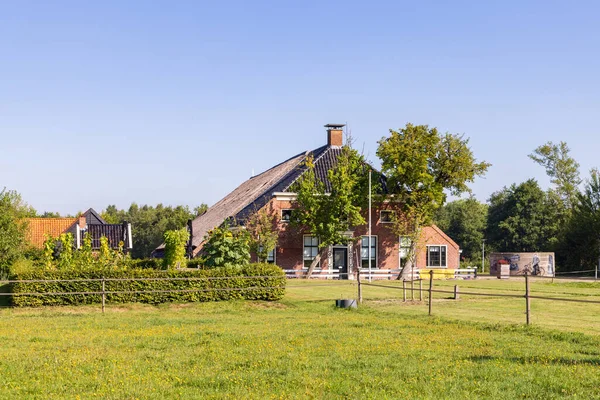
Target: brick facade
(289, 250)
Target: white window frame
(274, 251)
(375, 261)
(381, 212)
(304, 259)
(428, 258)
(286, 220)
(401, 246)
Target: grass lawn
(302, 347)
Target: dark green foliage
(580, 245)
(145, 263)
(266, 278)
(149, 223)
(465, 222)
(226, 247)
(12, 228)
(523, 218)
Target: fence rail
(373, 274)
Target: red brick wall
(290, 244)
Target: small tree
(329, 213)
(226, 247)
(175, 242)
(13, 228)
(263, 235)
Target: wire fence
(415, 290)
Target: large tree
(13, 227)
(579, 248)
(422, 165)
(330, 214)
(149, 223)
(523, 218)
(561, 168)
(464, 221)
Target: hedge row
(267, 283)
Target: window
(286, 215)
(405, 245)
(436, 256)
(270, 256)
(311, 249)
(365, 254)
(386, 216)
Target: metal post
(420, 289)
(103, 295)
(360, 298)
(527, 300)
(369, 251)
(403, 290)
(430, 290)
(483, 257)
(455, 292)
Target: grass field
(302, 347)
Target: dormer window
(386, 216)
(286, 215)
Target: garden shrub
(269, 285)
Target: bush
(145, 263)
(269, 284)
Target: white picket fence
(376, 274)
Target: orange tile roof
(39, 227)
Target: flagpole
(369, 251)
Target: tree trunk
(314, 263)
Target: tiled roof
(39, 227)
(253, 194)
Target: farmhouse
(271, 191)
(89, 222)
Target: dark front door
(340, 261)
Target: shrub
(268, 284)
(145, 263)
(175, 247)
(226, 247)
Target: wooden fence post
(360, 299)
(430, 290)
(403, 290)
(103, 295)
(412, 289)
(456, 295)
(527, 300)
(420, 289)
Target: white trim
(285, 196)
(78, 235)
(129, 236)
(274, 256)
(427, 258)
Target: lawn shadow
(595, 361)
(5, 301)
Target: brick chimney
(335, 134)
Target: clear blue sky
(177, 102)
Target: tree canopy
(13, 228)
(149, 223)
(422, 164)
(465, 222)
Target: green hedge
(270, 276)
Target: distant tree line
(524, 218)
